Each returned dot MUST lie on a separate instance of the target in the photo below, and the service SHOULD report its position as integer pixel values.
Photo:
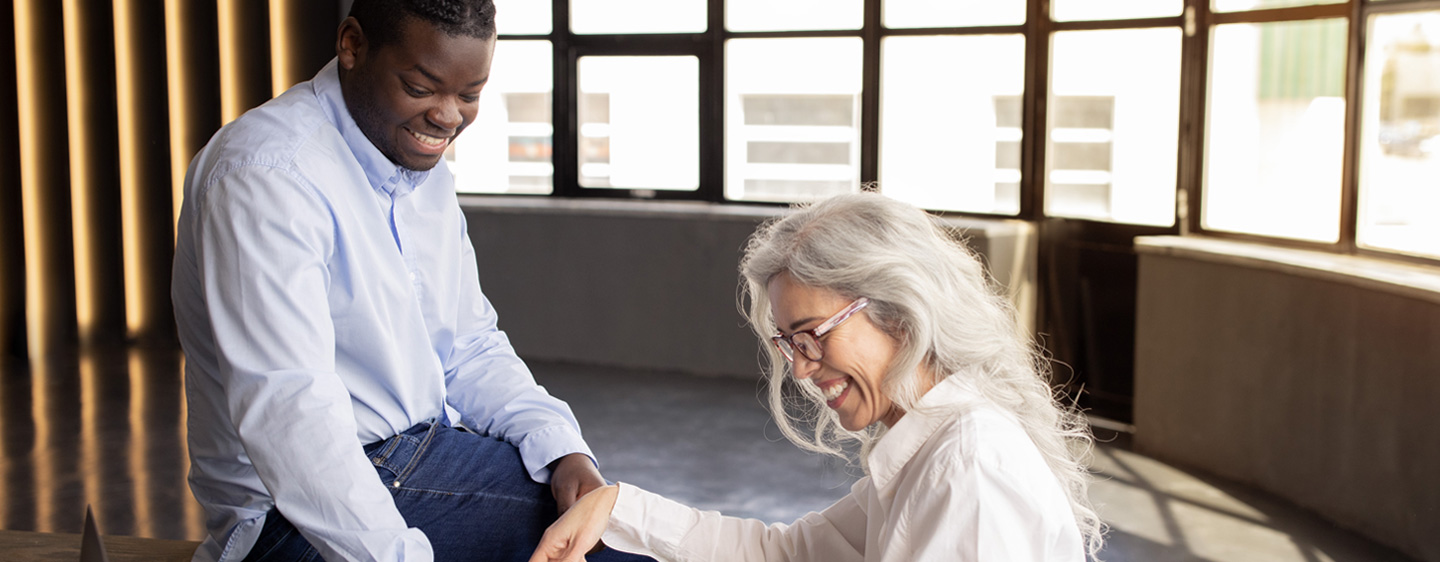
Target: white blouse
(955, 480)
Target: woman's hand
(576, 532)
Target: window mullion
(1193, 88)
(870, 93)
(1354, 84)
(712, 106)
(564, 140)
(1032, 144)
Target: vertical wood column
(12, 218)
(302, 39)
(94, 172)
(145, 182)
(44, 176)
(192, 59)
(245, 78)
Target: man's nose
(446, 115)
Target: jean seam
(387, 449)
(416, 457)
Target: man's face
(413, 96)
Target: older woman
(875, 312)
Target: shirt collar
(915, 428)
(385, 176)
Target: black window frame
(1197, 21)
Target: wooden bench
(25, 546)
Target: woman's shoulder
(983, 436)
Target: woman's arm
(633, 520)
(578, 531)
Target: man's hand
(571, 477)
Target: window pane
(1242, 5)
(951, 140)
(637, 16)
(1275, 134)
(1400, 135)
(639, 122)
(1114, 132)
(507, 148)
(782, 15)
(929, 13)
(792, 118)
(522, 17)
(1077, 10)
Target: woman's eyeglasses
(807, 342)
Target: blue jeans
(469, 493)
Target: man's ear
(350, 44)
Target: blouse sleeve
(650, 524)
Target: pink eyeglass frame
(783, 341)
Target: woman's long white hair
(930, 293)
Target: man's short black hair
(381, 20)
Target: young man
(334, 329)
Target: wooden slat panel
(144, 132)
(302, 39)
(12, 220)
(94, 161)
(45, 176)
(244, 56)
(193, 69)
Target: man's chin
(420, 164)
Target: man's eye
(417, 92)
(470, 98)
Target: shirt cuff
(542, 447)
(647, 523)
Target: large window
(1276, 129)
(1400, 134)
(1113, 129)
(1256, 119)
(792, 127)
(638, 120)
(951, 140)
(508, 147)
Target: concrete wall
(1309, 383)
(650, 286)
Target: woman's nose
(804, 367)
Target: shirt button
(412, 275)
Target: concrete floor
(709, 442)
(108, 431)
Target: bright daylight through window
(1400, 135)
(639, 122)
(951, 140)
(1113, 132)
(792, 118)
(508, 147)
(792, 15)
(1276, 129)
(950, 116)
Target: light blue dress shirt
(327, 298)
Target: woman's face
(856, 358)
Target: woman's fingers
(579, 529)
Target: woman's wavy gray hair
(930, 293)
